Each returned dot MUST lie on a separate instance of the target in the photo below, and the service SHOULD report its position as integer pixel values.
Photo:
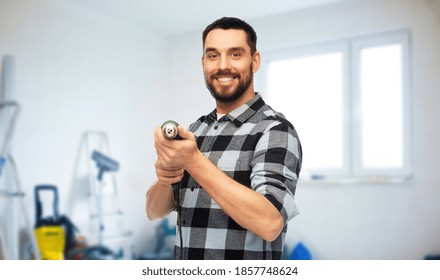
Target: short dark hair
(233, 23)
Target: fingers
(170, 143)
(185, 134)
(168, 151)
(166, 175)
(174, 154)
(163, 146)
(169, 180)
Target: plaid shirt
(258, 148)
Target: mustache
(224, 73)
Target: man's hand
(173, 156)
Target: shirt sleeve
(276, 166)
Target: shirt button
(216, 126)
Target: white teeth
(225, 79)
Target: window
(349, 101)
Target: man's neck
(227, 107)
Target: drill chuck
(170, 130)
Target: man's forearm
(249, 209)
(160, 201)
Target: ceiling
(178, 16)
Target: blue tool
(2, 163)
(104, 164)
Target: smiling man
(237, 166)
(229, 64)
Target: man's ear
(256, 62)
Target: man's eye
(236, 55)
(212, 56)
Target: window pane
(309, 92)
(381, 103)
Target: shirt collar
(241, 114)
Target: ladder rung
(11, 194)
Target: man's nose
(224, 63)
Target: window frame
(403, 39)
(350, 49)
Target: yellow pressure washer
(49, 231)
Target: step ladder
(10, 191)
(106, 215)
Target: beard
(228, 94)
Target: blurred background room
(85, 82)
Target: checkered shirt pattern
(258, 148)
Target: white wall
(76, 70)
(400, 221)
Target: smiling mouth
(225, 79)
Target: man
(237, 166)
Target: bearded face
(228, 65)
(228, 85)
